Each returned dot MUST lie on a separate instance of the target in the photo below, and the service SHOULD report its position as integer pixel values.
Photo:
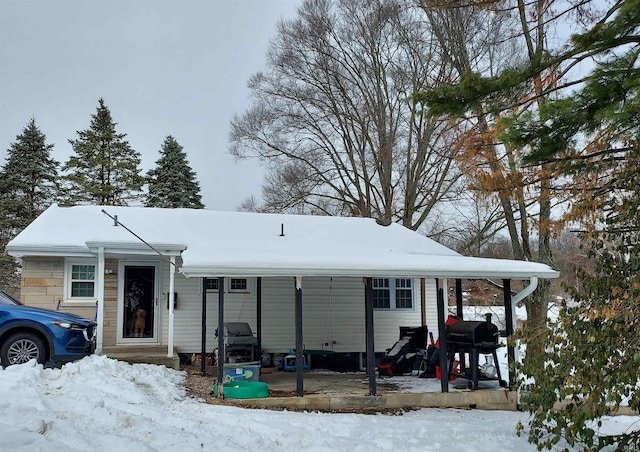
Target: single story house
(191, 270)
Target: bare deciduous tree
(332, 117)
(524, 192)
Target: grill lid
(473, 332)
(238, 334)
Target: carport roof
(215, 243)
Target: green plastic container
(243, 389)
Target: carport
(301, 246)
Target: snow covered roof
(215, 243)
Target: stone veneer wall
(110, 302)
(42, 286)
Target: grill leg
(473, 356)
(452, 358)
(495, 360)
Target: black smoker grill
(474, 338)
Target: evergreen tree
(105, 169)
(592, 140)
(172, 183)
(27, 187)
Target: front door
(138, 316)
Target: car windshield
(8, 300)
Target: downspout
(100, 301)
(172, 285)
(517, 298)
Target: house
(185, 266)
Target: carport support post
(460, 313)
(459, 310)
(508, 320)
(259, 316)
(423, 302)
(371, 349)
(442, 338)
(221, 352)
(203, 338)
(299, 354)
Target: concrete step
(144, 354)
(137, 348)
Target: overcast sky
(164, 67)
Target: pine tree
(27, 187)
(105, 169)
(172, 183)
(591, 139)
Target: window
(212, 284)
(404, 294)
(81, 280)
(392, 293)
(381, 294)
(232, 284)
(238, 285)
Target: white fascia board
(57, 251)
(387, 265)
(166, 249)
(226, 271)
(91, 250)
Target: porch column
(508, 320)
(299, 352)
(203, 337)
(172, 286)
(442, 338)
(423, 302)
(371, 349)
(100, 301)
(222, 354)
(259, 316)
(459, 310)
(460, 313)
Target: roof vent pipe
(115, 220)
(383, 221)
(281, 229)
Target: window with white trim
(238, 285)
(232, 285)
(211, 284)
(392, 293)
(80, 280)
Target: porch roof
(213, 243)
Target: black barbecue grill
(474, 338)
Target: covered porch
(302, 247)
(348, 392)
(505, 378)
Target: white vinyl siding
(238, 307)
(332, 311)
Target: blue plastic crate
(242, 371)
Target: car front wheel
(21, 348)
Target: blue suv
(30, 333)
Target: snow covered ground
(100, 404)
